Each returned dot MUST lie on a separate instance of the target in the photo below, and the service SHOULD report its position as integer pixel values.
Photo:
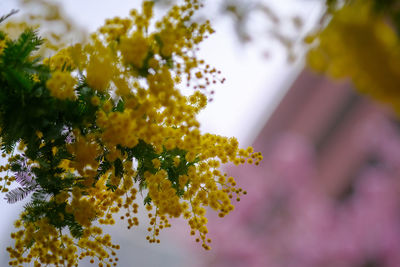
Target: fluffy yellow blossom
(61, 61)
(100, 68)
(61, 85)
(2, 45)
(86, 151)
(139, 133)
(134, 49)
(359, 44)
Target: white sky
(253, 84)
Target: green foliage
(18, 90)
(29, 114)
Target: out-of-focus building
(341, 126)
(327, 192)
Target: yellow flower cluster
(85, 151)
(154, 128)
(99, 70)
(60, 61)
(6, 180)
(48, 246)
(2, 45)
(134, 49)
(62, 85)
(359, 44)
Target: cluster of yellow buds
(138, 133)
(358, 43)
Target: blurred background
(327, 191)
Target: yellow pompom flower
(138, 134)
(61, 85)
(2, 46)
(134, 49)
(100, 71)
(359, 44)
